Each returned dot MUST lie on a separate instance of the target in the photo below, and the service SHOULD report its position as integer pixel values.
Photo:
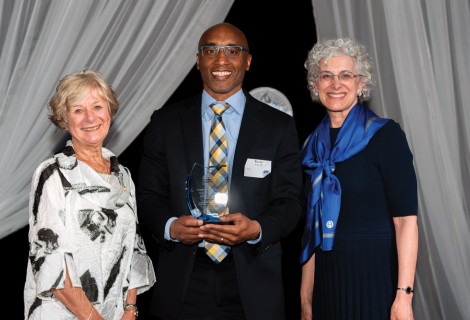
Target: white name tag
(257, 168)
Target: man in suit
(265, 187)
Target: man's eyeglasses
(229, 51)
(343, 76)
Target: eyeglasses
(343, 76)
(229, 51)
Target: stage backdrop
(143, 48)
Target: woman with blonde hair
(83, 206)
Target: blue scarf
(318, 161)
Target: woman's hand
(306, 311)
(401, 307)
(130, 307)
(306, 289)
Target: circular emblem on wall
(274, 98)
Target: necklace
(106, 177)
(102, 166)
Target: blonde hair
(73, 87)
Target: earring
(315, 93)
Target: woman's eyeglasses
(343, 76)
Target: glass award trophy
(206, 199)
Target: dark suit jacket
(172, 144)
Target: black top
(358, 278)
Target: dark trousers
(213, 291)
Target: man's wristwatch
(408, 290)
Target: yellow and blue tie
(218, 157)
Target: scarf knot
(328, 167)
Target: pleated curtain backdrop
(144, 49)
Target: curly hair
(73, 87)
(326, 49)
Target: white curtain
(421, 50)
(144, 48)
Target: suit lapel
(191, 125)
(246, 139)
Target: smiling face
(338, 96)
(223, 76)
(89, 120)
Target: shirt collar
(236, 101)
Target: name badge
(256, 168)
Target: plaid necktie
(218, 157)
